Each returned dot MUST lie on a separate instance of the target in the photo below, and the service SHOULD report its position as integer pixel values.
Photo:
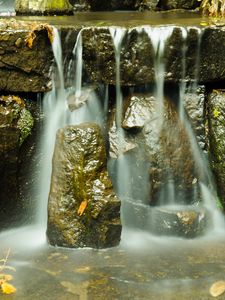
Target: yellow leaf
(8, 288)
(216, 113)
(82, 207)
(218, 288)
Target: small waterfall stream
(76, 104)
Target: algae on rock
(43, 7)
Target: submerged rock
(83, 210)
(184, 222)
(216, 121)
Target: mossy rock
(39, 7)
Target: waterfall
(58, 114)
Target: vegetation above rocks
(213, 8)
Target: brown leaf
(82, 207)
(217, 288)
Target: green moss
(57, 5)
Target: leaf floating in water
(8, 288)
(82, 207)
(218, 288)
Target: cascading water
(201, 193)
(129, 167)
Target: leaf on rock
(217, 288)
(8, 288)
(82, 207)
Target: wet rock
(80, 5)
(179, 4)
(184, 222)
(79, 174)
(194, 105)
(139, 112)
(16, 123)
(40, 7)
(24, 69)
(173, 173)
(166, 145)
(216, 113)
(137, 55)
(151, 5)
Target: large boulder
(216, 121)
(39, 7)
(83, 210)
(168, 151)
(16, 123)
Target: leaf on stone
(217, 288)
(82, 207)
(30, 39)
(8, 288)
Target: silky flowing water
(143, 266)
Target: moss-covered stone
(50, 7)
(79, 178)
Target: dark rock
(137, 55)
(173, 172)
(16, 123)
(179, 4)
(216, 121)
(79, 174)
(24, 69)
(49, 7)
(151, 5)
(98, 5)
(194, 105)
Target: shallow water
(127, 19)
(142, 267)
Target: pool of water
(128, 19)
(142, 267)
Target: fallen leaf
(6, 277)
(217, 288)
(82, 207)
(8, 288)
(83, 269)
